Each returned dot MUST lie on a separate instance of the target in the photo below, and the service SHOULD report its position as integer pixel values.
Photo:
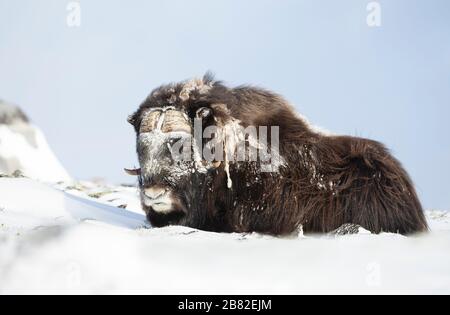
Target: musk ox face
(170, 158)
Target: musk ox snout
(158, 198)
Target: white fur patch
(233, 135)
(162, 204)
(194, 85)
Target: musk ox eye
(203, 112)
(174, 140)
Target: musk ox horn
(150, 121)
(175, 121)
(166, 120)
(133, 172)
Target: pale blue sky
(79, 84)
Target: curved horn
(176, 121)
(150, 121)
(133, 172)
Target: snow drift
(24, 148)
(89, 238)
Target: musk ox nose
(158, 198)
(154, 192)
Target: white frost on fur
(161, 121)
(233, 135)
(227, 171)
(310, 162)
(194, 85)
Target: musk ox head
(173, 172)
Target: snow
(73, 238)
(27, 203)
(23, 147)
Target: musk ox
(316, 182)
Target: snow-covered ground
(92, 238)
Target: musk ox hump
(197, 85)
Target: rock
(348, 229)
(11, 114)
(24, 150)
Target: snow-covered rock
(23, 148)
(73, 239)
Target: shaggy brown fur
(327, 181)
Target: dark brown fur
(328, 181)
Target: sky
(388, 82)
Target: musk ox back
(241, 160)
